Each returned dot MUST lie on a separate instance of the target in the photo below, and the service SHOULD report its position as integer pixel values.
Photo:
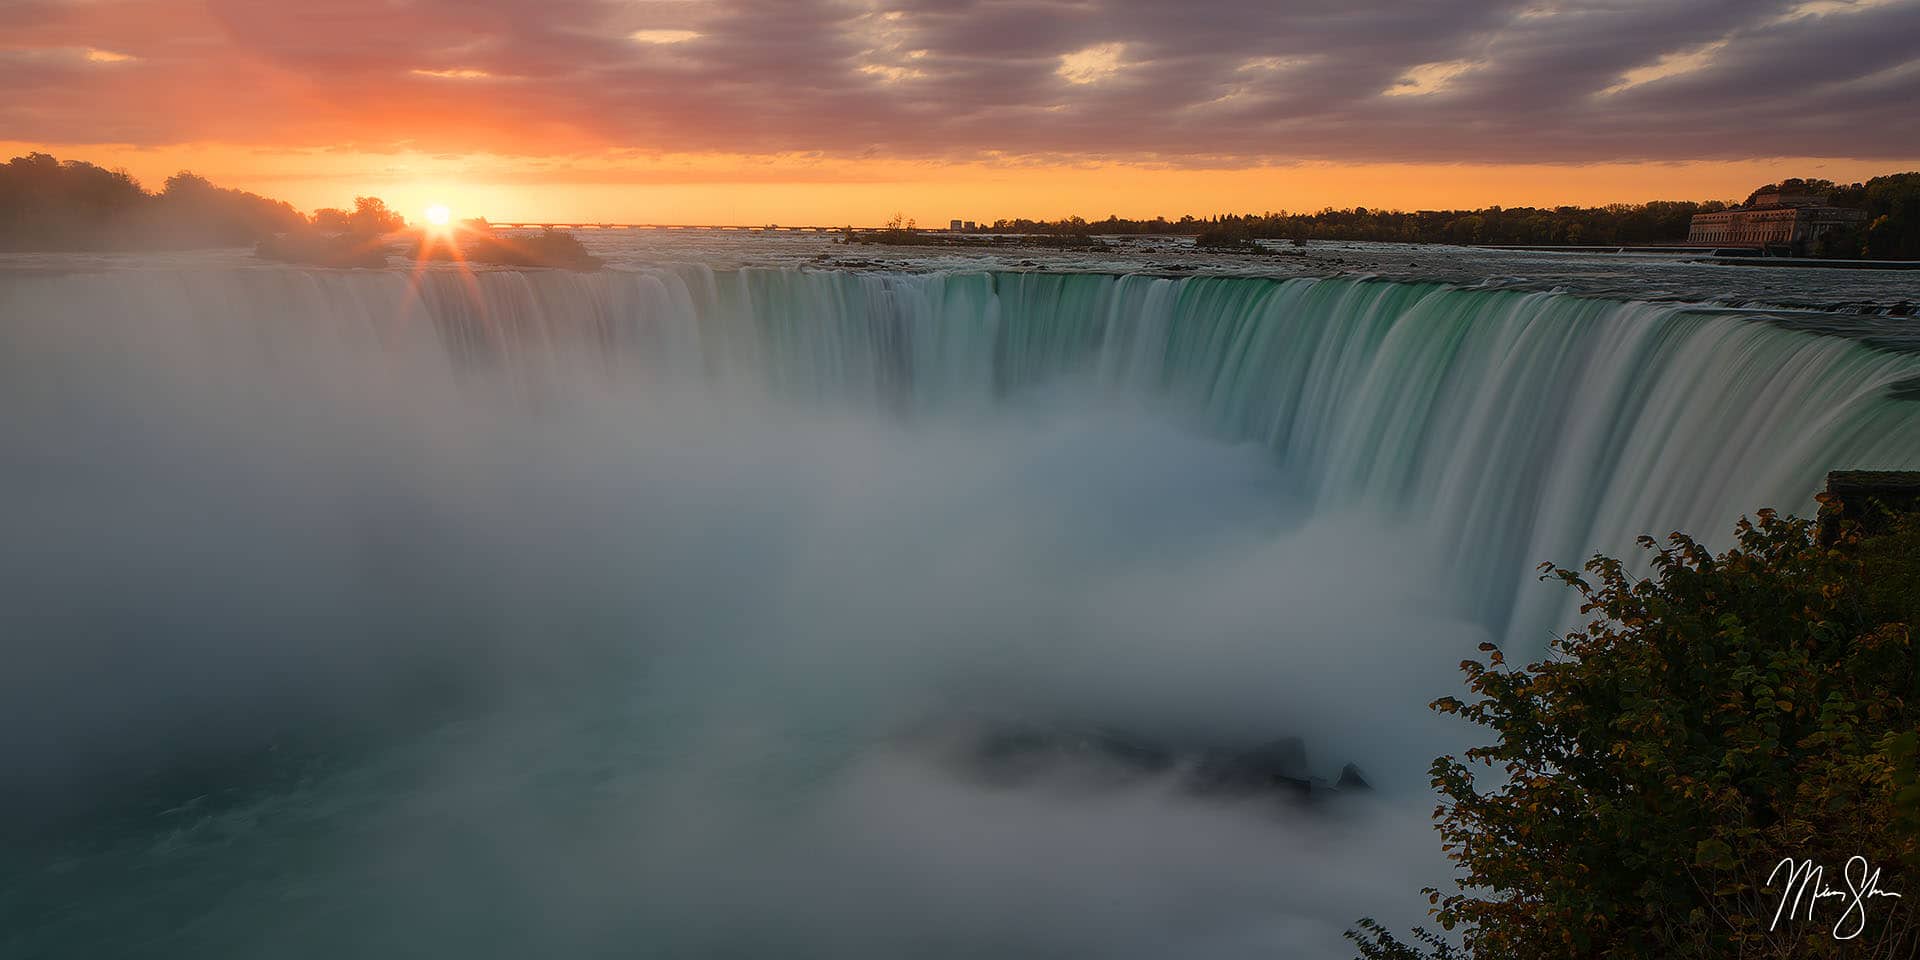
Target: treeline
(1662, 221)
(1892, 229)
(47, 204)
(50, 204)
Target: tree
(1840, 243)
(1894, 204)
(187, 185)
(47, 204)
(549, 248)
(1468, 229)
(332, 220)
(1376, 942)
(191, 212)
(371, 218)
(1726, 714)
(1232, 236)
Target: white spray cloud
(624, 665)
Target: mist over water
(605, 614)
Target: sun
(439, 215)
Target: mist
(478, 662)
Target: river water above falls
(508, 614)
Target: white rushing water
(591, 614)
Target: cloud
(453, 74)
(663, 36)
(1428, 78)
(1092, 65)
(1348, 80)
(1669, 65)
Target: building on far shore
(1773, 218)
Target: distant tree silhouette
(548, 248)
(1893, 209)
(1892, 204)
(1226, 237)
(332, 220)
(48, 204)
(370, 217)
(337, 238)
(191, 211)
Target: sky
(821, 112)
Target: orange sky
(806, 190)
(817, 112)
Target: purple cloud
(1241, 80)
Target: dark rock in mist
(1278, 765)
(1022, 755)
(1015, 755)
(1350, 779)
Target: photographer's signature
(1806, 883)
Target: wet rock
(1018, 755)
(1350, 779)
(1014, 755)
(1275, 765)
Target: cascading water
(581, 611)
(1531, 426)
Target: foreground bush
(1729, 713)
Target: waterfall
(1523, 427)
(586, 614)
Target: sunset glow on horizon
(747, 190)
(737, 111)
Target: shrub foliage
(1724, 714)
